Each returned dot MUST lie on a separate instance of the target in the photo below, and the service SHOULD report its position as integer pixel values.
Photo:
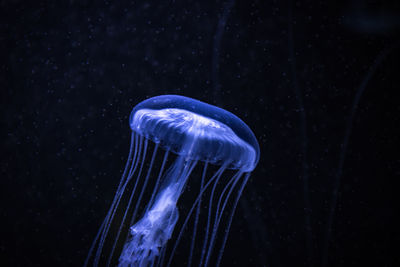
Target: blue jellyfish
(207, 157)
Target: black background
(71, 72)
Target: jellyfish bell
(194, 136)
(219, 135)
(195, 132)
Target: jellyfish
(187, 166)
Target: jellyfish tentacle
(132, 170)
(110, 214)
(94, 242)
(234, 178)
(131, 173)
(120, 193)
(121, 225)
(145, 183)
(217, 215)
(137, 179)
(197, 214)
(205, 242)
(221, 251)
(132, 193)
(231, 185)
(124, 174)
(129, 162)
(217, 174)
(136, 184)
(104, 235)
(166, 154)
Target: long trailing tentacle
(221, 251)
(113, 204)
(197, 215)
(122, 223)
(231, 185)
(145, 184)
(234, 180)
(131, 173)
(142, 154)
(94, 242)
(108, 224)
(214, 177)
(205, 242)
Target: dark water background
(71, 73)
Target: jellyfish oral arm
(151, 232)
(155, 228)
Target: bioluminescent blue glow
(187, 192)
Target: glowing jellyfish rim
(195, 132)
